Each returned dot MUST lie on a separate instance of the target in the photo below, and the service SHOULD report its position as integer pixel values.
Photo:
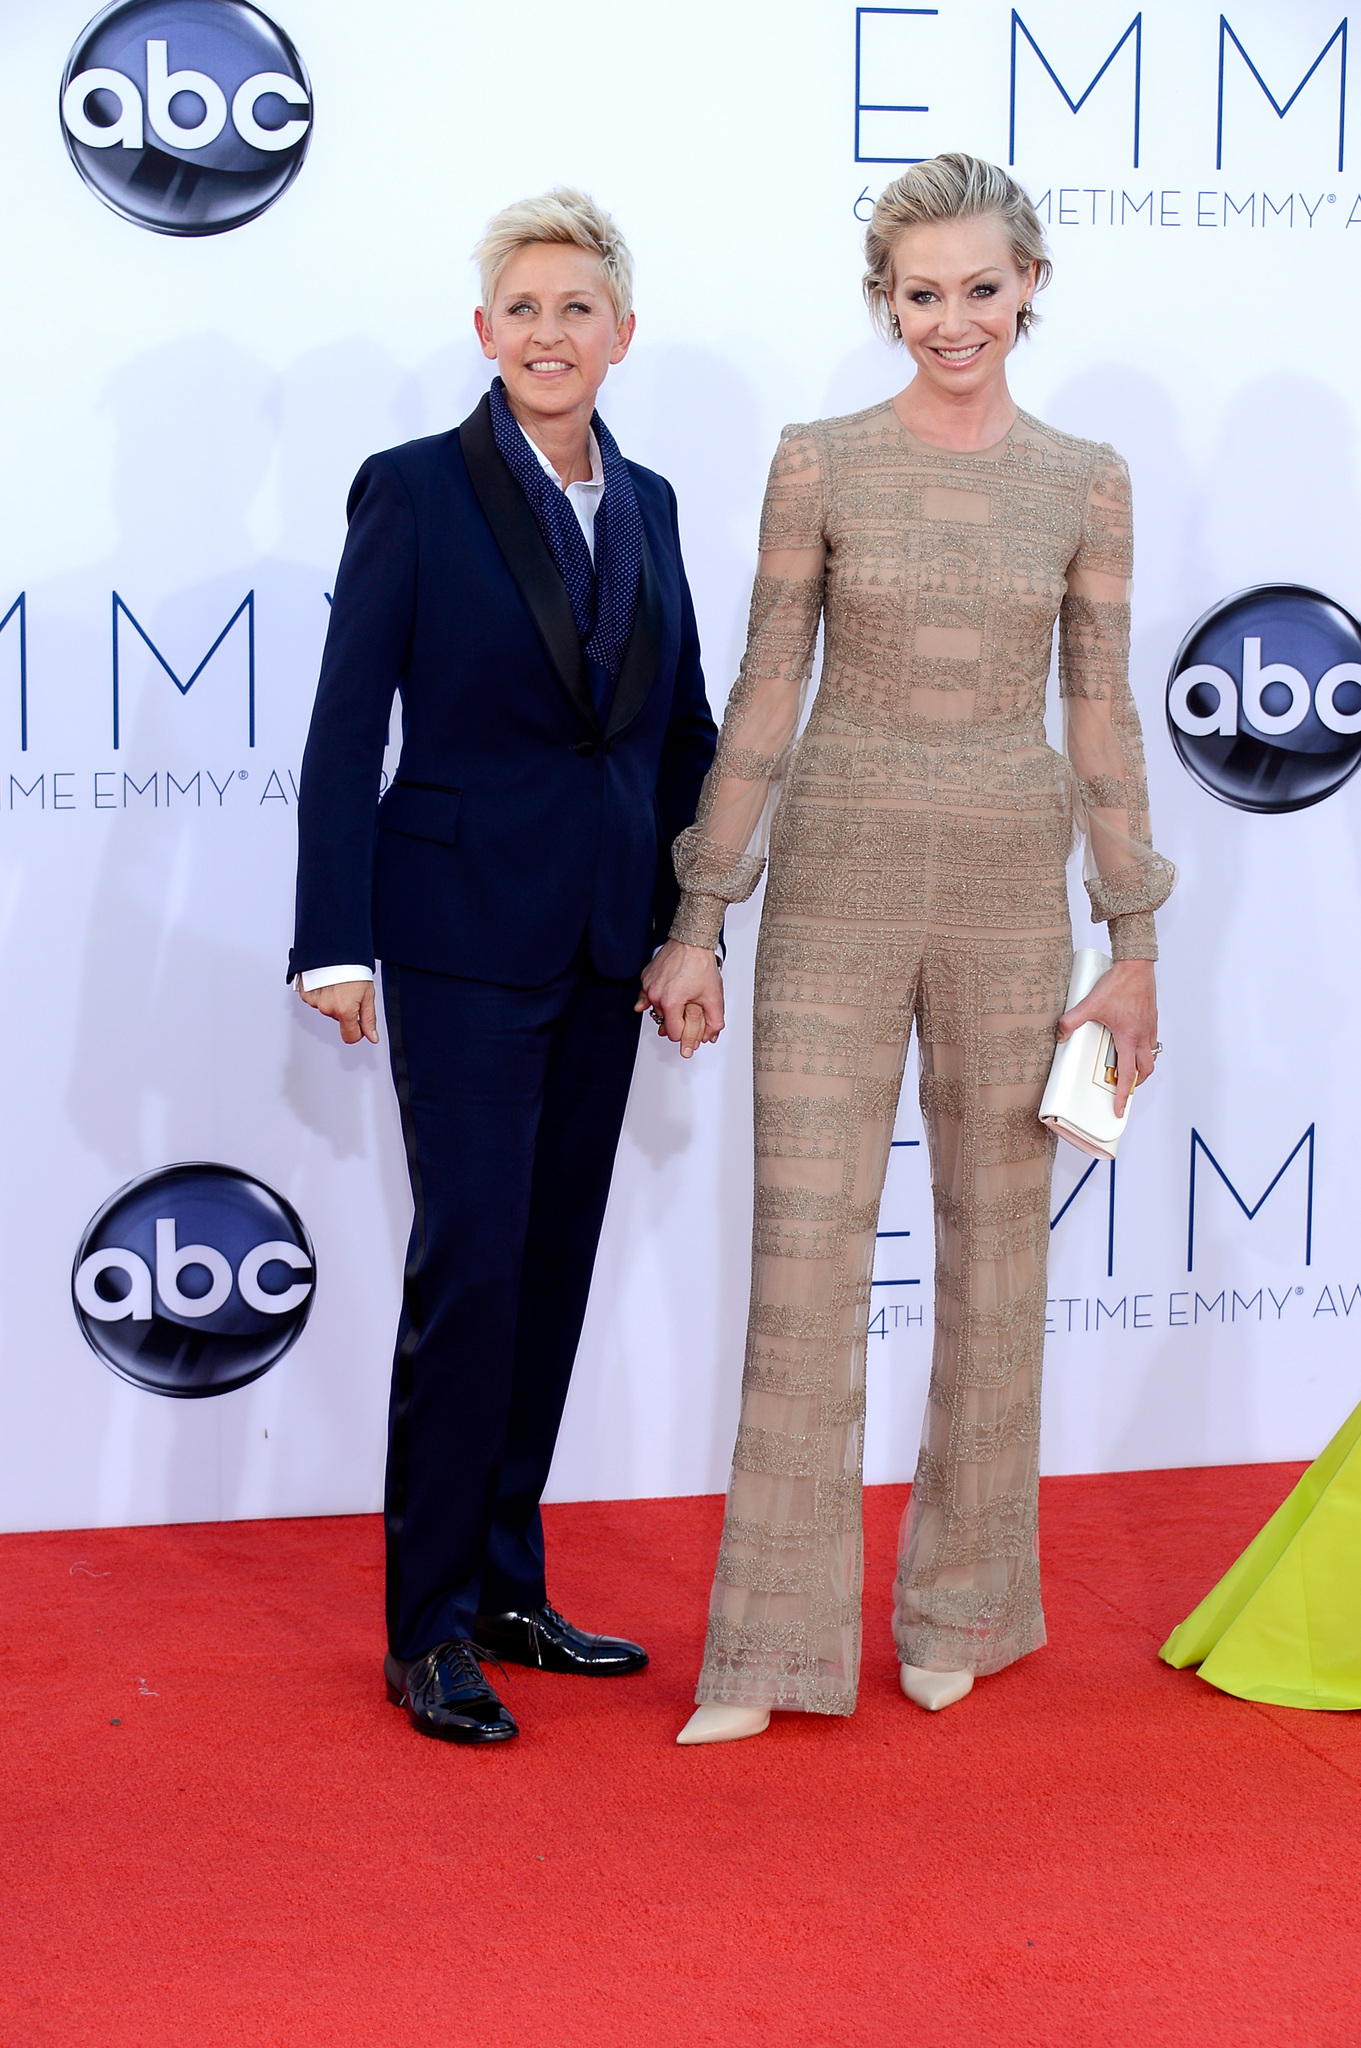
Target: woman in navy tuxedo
(520, 584)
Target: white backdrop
(181, 419)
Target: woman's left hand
(684, 991)
(1125, 1000)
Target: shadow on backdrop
(180, 998)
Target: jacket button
(583, 747)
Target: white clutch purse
(1079, 1096)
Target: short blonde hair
(565, 216)
(951, 187)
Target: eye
(985, 291)
(580, 306)
(520, 306)
(921, 298)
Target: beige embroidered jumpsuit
(917, 873)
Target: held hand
(350, 1003)
(1126, 1002)
(684, 991)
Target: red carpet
(218, 1833)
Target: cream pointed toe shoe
(724, 1724)
(934, 1689)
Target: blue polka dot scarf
(604, 596)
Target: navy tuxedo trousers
(512, 1101)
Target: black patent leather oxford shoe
(445, 1695)
(550, 1643)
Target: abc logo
(186, 116)
(193, 1280)
(1264, 698)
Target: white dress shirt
(584, 500)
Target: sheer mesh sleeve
(1125, 878)
(720, 858)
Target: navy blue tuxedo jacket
(516, 824)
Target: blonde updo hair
(563, 215)
(951, 187)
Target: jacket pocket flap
(421, 812)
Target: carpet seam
(1259, 1707)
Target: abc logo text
(1264, 698)
(193, 1280)
(188, 117)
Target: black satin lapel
(638, 670)
(527, 557)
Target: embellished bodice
(938, 576)
(944, 572)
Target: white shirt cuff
(327, 977)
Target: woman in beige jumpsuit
(916, 876)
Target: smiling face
(552, 330)
(957, 294)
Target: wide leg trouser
(512, 1102)
(834, 1011)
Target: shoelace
(549, 1614)
(464, 1659)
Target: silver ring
(1156, 1049)
(657, 1016)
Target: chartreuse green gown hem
(1284, 1623)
